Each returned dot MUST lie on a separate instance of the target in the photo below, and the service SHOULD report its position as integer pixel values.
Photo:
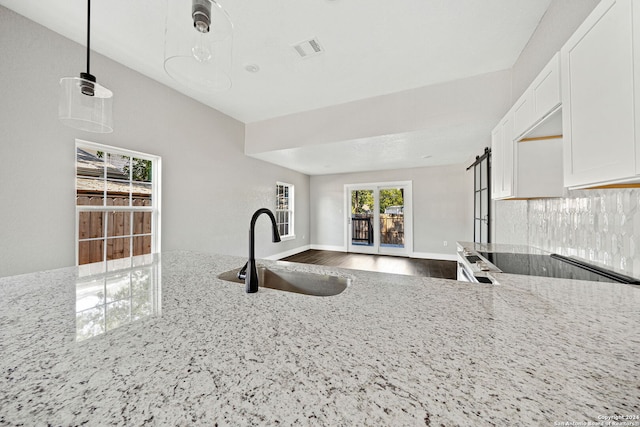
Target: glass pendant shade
(85, 105)
(198, 44)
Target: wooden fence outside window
(120, 239)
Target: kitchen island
(166, 342)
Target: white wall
(442, 207)
(209, 187)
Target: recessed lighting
(252, 68)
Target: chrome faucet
(251, 278)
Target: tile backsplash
(602, 226)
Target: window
(117, 203)
(284, 209)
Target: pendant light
(84, 104)
(198, 44)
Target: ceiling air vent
(308, 48)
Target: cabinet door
(545, 89)
(523, 114)
(502, 159)
(508, 158)
(598, 97)
(496, 162)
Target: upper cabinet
(539, 100)
(576, 125)
(526, 146)
(599, 95)
(523, 114)
(545, 90)
(502, 159)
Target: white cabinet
(496, 162)
(545, 90)
(523, 114)
(531, 168)
(526, 146)
(502, 159)
(540, 99)
(598, 94)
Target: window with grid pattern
(284, 209)
(117, 203)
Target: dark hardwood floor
(380, 263)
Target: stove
(542, 265)
(474, 266)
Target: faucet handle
(242, 274)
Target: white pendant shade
(92, 113)
(198, 56)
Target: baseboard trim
(329, 248)
(290, 252)
(429, 255)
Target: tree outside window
(284, 209)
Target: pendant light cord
(88, 33)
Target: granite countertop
(170, 344)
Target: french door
(379, 219)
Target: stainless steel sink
(320, 285)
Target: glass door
(362, 235)
(391, 220)
(377, 221)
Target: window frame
(291, 209)
(156, 162)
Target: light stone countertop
(189, 349)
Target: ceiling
(371, 47)
(447, 145)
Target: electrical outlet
(445, 243)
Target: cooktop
(553, 266)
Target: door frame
(407, 250)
